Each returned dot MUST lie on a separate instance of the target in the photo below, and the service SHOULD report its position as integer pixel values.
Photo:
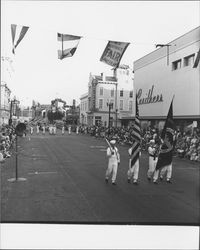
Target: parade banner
(19, 31)
(68, 44)
(136, 133)
(166, 150)
(113, 53)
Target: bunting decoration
(68, 43)
(136, 133)
(15, 29)
(113, 53)
(166, 151)
(196, 62)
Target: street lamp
(12, 103)
(110, 106)
(165, 45)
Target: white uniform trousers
(37, 128)
(167, 169)
(133, 171)
(31, 130)
(43, 130)
(112, 168)
(155, 175)
(69, 129)
(152, 166)
(63, 130)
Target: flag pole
(62, 45)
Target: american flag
(136, 133)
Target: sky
(39, 74)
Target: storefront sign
(150, 97)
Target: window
(112, 92)
(130, 105)
(121, 93)
(176, 65)
(189, 60)
(100, 103)
(112, 101)
(101, 90)
(121, 104)
(131, 94)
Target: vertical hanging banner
(16, 39)
(113, 53)
(68, 44)
(166, 151)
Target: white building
(94, 109)
(4, 103)
(171, 70)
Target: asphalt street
(64, 183)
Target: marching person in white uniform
(43, 129)
(54, 129)
(63, 130)
(77, 128)
(37, 129)
(153, 158)
(50, 129)
(69, 130)
(31, 128)
(133, 171)
(113, 162)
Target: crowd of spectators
(186, 144)
(7, 137)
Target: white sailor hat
(152, 141)
(113, 142)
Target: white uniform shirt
(115, 157)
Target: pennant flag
(17, 29)
(113, 53)
(197, 60)
(136, 133)
(165, 155)
(68, 45)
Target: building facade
(4, 103)
(170, 72)
(83, 109)
(108, 96)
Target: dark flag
(166, 151)
(134, 151)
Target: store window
(100, 103)
(189, 60)
(112, 92)
(121, 93)
(176, 65)
(97, 120)
(101, 90)
(121, 104)
(130, 105)
(131, 94)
